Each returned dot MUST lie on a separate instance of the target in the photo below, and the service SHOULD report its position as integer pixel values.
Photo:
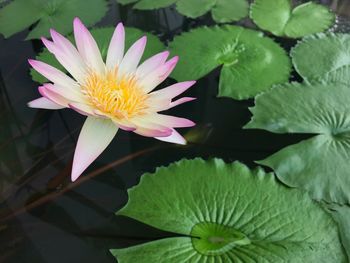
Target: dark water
(46, 218)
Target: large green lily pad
(279, 17)
(59, 14)
(341, 215)
(228, 213)
(321, 164)
(223, 11)
(251, 63)
(323, 56)
(103, 37)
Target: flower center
(119, 97)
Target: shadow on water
(46, 218)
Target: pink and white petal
(68, 49)
(132, 57)
(126, 128)
(125, 125)
(66, 46)
(94, 138)
(44, 103)
(73, 64)
(151, 64)
(165, 104)
(68, 93)
(147, 132)
(53, 74)
(100, 114)
(87, 47)
(156, 104)
(157, 76)
(170, 121)
(116, 47)
(148, 128)
(175, 137)
(179, 101)
(48, 92)
(82, 108)
(173, 90)
(149, 124)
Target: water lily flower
(117, 93)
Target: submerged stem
(45, 199)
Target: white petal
(94, 138)
(116, 47)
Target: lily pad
(228, 213)
(323, 56)
(223, 11)
(341, 215)
(103, 37)
(321, 164)
(59, 14)
(251, 63)
(278, 17)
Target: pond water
(46, 218)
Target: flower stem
(53, 195)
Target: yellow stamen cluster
(120, 97)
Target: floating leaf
(278, 17)
(251, 63)
(194, 8)
(102, 37)
(125, 2)
(229, 10)
(321, 164)
(323, 56)
(59, 14)
(341, 215)
(228, 213)
(222, 10)
(152, 4)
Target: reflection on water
(46, 218)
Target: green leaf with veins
(226, 11)
(222, 10)
(103, 37)
(323, 56)
(194, 8)
(341, 215)
(125, 2)
(278, 17)
(58, 14)
(228, 213)
(251, 63)
(319, 165)
(151, 4)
